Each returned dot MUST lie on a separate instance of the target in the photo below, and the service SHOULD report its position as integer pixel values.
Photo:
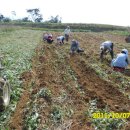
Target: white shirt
(67, 31)
(106, 45)
(120, 60)
(60, 38)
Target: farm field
(53, 90)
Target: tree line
(34, 16)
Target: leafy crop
(32, 121)
(17, 47)
(57, 114)
(104, 123)
(45, 93)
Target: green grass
(17, 47)
(122, 33)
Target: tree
(1, 17)
(55, 19)
(25, 19)
(13, 15)
(34, 14)
(6, 19)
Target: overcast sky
(114, 12)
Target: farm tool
(4, 91)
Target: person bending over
(105, 48)
(121, 61)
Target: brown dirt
(54, 68)
(103, 90)
(16, 120)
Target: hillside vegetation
(74, 27)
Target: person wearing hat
(75, 47)
(106, 47)
(121, 62)
(67, 33)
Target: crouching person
(121, 62)
(60, 40)
(75, 47)
(105, 48)
(48, 37)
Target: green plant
(45, 93)
(57, 114)
(17, 51)
(32, 121)
(103, 123)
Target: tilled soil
(72, 82)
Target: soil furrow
(104, 90)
